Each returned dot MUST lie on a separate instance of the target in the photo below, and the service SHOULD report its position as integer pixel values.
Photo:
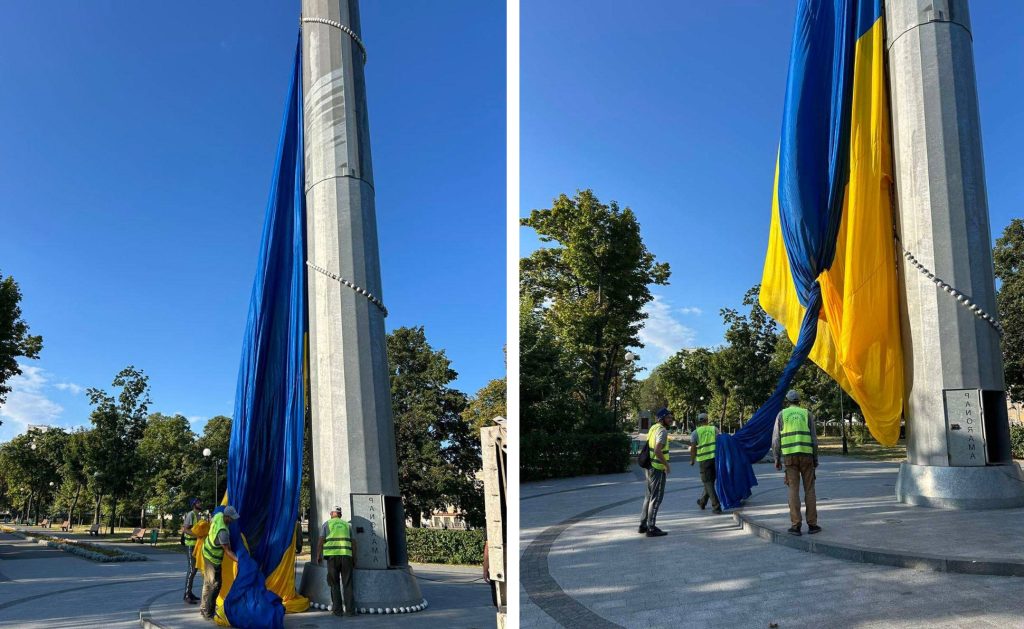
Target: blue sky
(674, 109)
(138, 145)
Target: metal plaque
(965, 427)
(368, 531)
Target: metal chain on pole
(362, 291)
(962, 299)
(348, 31)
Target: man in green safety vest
(657, 444)
(796, 439)
(702, 450)
(338, 547)
(191, 519)
(215, 546)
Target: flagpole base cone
(391, 591)
(968, 488)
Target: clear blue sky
(674, 109)
(138, 143)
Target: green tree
(118, 426)
(438, 451)
(547, 390)
(686, 380)
(591, 286)
(1008, 259)
(15, 341)
(211, 470)
(167, 450)
(74, 469)
(30, 465)
(744, 363)
(488, 403)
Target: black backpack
(643, 458)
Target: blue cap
(193, 502)
(663, 412)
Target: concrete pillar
(353, 436)
(957, 428)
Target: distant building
(37, 428)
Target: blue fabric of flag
(813, 173)
(265, 455)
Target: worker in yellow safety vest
(702, 450)
(657, 445)
(191, 519)
(796, 440)
(215, 546)
(338, 547)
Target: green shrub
(445, 546)
(543, 455)
(1017, 440)
(857, 434)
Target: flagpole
(353, 438)
(958, 447)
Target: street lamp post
(216, 477)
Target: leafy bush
(858, 434)
(568, 454)
(445, 546)
(1017, 440)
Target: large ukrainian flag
(830, 273)
(832, 216)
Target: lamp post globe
(207, 452)
(630, 356)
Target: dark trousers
(800, 467)
(652, 499)
(190, 572)
(339, 577)
(211, 588)
(708, 477)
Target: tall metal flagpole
(353, 437)
(958, 445)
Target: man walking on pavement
(795, 436)
(215, 546)
(702, 450)
(657, 444)
(337, 545)
(191, 519)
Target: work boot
(716, 510)
(795, 530)
(655, 532)
(642, 529)
(813, 528)
(701, 504)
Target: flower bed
(94, 552)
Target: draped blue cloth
(265, 456)
(813, 173)
(249, 604)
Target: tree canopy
(438, 449)
(1008, 260)
(15, 340)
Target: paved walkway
(584, 565)
(863, 521)
(45, 588)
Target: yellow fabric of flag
(858, 342)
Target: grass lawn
(870, 450)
